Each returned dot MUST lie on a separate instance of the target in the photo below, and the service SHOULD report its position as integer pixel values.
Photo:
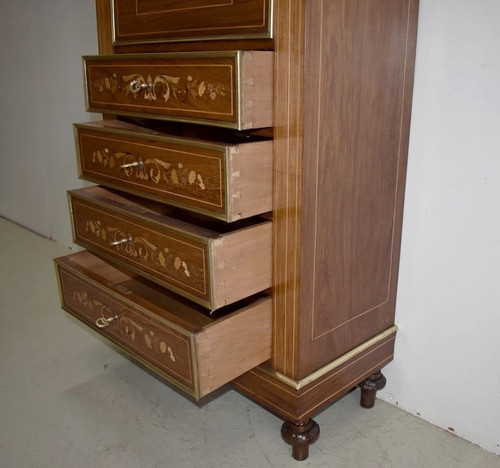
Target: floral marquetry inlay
(124, 325)
(138, 248)
(161, 86)
(154, 170)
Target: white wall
(446, 366)
(448, 349)
(41, 96)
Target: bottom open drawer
(170, 335)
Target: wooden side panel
(174, 20)
(358, 88)
(242, 264)
(251, 179)
(234, 346)
(288, 130)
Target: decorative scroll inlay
(125, 325)
(163, 86)
(150, 169)
(139, 248)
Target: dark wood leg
(369, 389)
(300, 436)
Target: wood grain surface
(229, 89)
(187, 20)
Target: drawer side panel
(239, 344)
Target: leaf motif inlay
(124, 325)
(163, 86)
(139, 248)
(150, 169)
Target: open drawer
(210, 262)
(232, 89)
(166, 333)
(228, 180)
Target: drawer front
(175, 261)
(216, 88)
(143, 21)
(192, 176)
(154, 342)
(223, 181)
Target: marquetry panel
(228, 89)
(145, 21)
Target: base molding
(298, 403)
(358, 351)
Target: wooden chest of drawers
(262, 149)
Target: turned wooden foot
(369, 389)
(300, 436)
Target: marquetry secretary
(252, 166)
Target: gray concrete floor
(69, 400)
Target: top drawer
(232, 89)
(143, 21)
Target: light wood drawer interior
(144, 21)
(170, 335)
(231, 89)
(228, 181)
(208, 261)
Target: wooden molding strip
(299, 384)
